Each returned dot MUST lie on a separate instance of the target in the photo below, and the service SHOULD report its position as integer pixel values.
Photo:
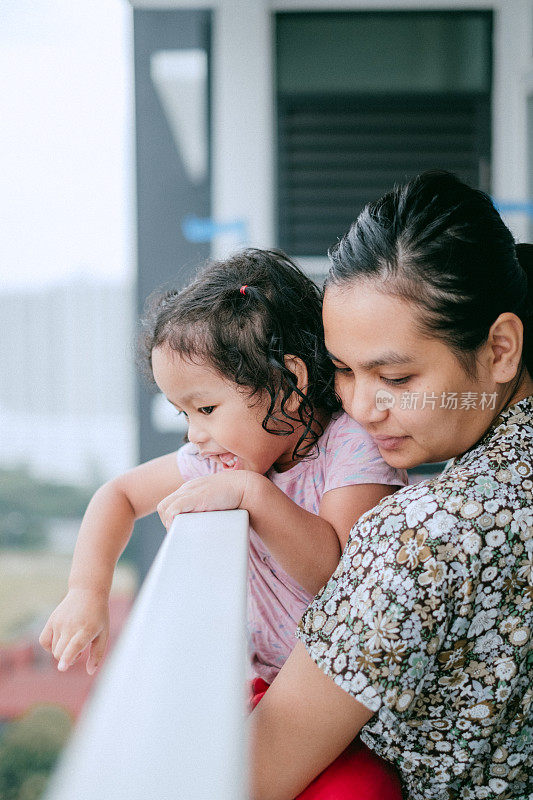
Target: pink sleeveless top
(347, 455)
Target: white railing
(166, 718)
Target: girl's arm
(82, 617)
(307, 546)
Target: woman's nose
(366, 404)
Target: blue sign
(517, 207)
(204, 229)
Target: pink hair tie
(242, 290)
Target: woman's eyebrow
(387, 359)
(332, 357)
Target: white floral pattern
(435, 632)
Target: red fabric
(257, 691)
(357, 774)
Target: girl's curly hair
(245, 335)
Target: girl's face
(224, 422)
(407, 390)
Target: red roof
(29, 675)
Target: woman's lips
(389, 442)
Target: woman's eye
(181, 413)
(342, 370)
(395, 381)
(206, 410)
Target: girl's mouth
(228, 460)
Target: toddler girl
(240, 352)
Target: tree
(29, 749)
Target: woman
(420, 639)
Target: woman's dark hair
(442, 245)
(242, 316)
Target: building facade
(67, 408)
(271, 122)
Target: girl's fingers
(72, 651)
(162, 509)
(96, 655)
(60, 642)
(45, 639)
(172, 510)
(166, 501)
(176, 503)
(185, 500)
(184, 505)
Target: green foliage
(20, 491)
(26, 503)
(29, 749)
(33, 787)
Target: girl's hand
(79, 621)
(220, 492)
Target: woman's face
(407, 390)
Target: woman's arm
(295, 732)
(82, 617)
(307, 546)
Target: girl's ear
(299, 370)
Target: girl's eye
(206, 410)
(395, 381)
(342, 370)
(181, 413)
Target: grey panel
(164, 196)
(337, 153)
(384, 51)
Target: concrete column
(513, 22)
(243, 122)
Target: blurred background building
(67, 317)
(140, 137)
(272, 122)
(66, 408)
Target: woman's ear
(299, 370)
(505, 340)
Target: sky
(66, 141)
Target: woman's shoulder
(431, 507)
(498, 471)
(403, 504)
(459, 504)
(508, 443)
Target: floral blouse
(427, 621)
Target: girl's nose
(196, 433)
